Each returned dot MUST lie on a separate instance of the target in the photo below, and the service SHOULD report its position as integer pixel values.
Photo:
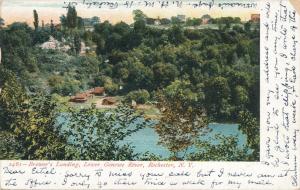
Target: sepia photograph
(88, 81)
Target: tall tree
(183, 118)
(52, 28)
(72, 19)
(77, 44)
(139, 24)
(249, 125)
(36, 19)
(63, 21)
(139, 15)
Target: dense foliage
(98, 135)
(181, 111)
(194, 75)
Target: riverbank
(150, 111)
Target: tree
(139, 96)
(164, 74)
(36, 20)
(16, 42)
(139, 27)
(176, 21)
(182, 118)
(35, 129)
(139, 15)
(52, 27)
(165, 21)
(176, 35)
(9, 147)
(242, 48)
(226, 148)
(80, 22)
(247, 26)
(217, 94)
(77, 44)
(98, 135)
(211, 67)
(240, 96)
(71, 19)
(193, 22)
(63, 85)
(12, 97)
(250, 127)
(111, 88)
(29, 121)
(63, 21)
(140, 76)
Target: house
(79, 98)
(157, 22)
(109, 101)
(90, 22)
(255, 17)
(181, 18)
(98, 91)
(54, 44)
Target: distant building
(255, 17)
(84, 96)
(109, 101)
(98, 91)
(54, 44)
(79, 98)
(91, 21)
(181, 18)
(157, 22)
(206, 19)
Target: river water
(146, 139)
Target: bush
(140, 96)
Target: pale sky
(22, 11)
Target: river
(146, 139)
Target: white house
(54, 44)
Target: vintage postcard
(150, 94)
